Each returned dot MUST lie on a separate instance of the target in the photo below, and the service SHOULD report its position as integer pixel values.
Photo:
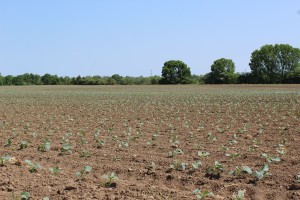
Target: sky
(136, 37)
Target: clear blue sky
(133, 37)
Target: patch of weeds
(32, 167)
(202, 194)
(110, 180)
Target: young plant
(4, 160)
(214, 171)
(232, 155)
(261, 173)
(110, 180)
(269, 158)
(46, 146)
(240, 195)
(23, 145)
(123, 145)
(240, 170)
(86, 170)
(66, 149)
(85, 153)
(7, 143)
(100, 143)
(202, 194)
(298, 178)
(32, 167)
(178, 166)
(196, 164)
(203, 154)
(25, 195)
(55, 170)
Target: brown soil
(240, 121)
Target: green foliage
(222, 71)
(32, 167)
(23, 145)
(46, 146)
(175, 72)
(86, 170)
(202, 194)
(274, 63)
(262, 172)
(55, 170)
(25, 195)
(270, 159)
(214, 171)
(110, 179)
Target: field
(150, 142)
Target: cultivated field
(150, 142)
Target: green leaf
(88, 168)
(247, 169)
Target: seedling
(55, 170)
(23, 145)
(196, 164)
(214, 171)
(32, 167)
(86, 170)
(270, 159)
(240, 195)
(66, 149)
(123, 145)
(203, 154)
(174, 141)
(298, 178)
(85, 153)
(25, 195)
(212, 137)
(239, 170)
(202, 194)
(4, 159)
(7, 143)
(100, 143)
(233, 155)
(261, 173)
(178, 166)
(110, 180)
(46, 146)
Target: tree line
(279, 63)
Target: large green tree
(274, 63)
(222, 71)
(175, 72)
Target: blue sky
(135, 37)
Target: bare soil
(138, 127)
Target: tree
(175, 72)
(117, 78)
(222, 71)
(274, 63)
